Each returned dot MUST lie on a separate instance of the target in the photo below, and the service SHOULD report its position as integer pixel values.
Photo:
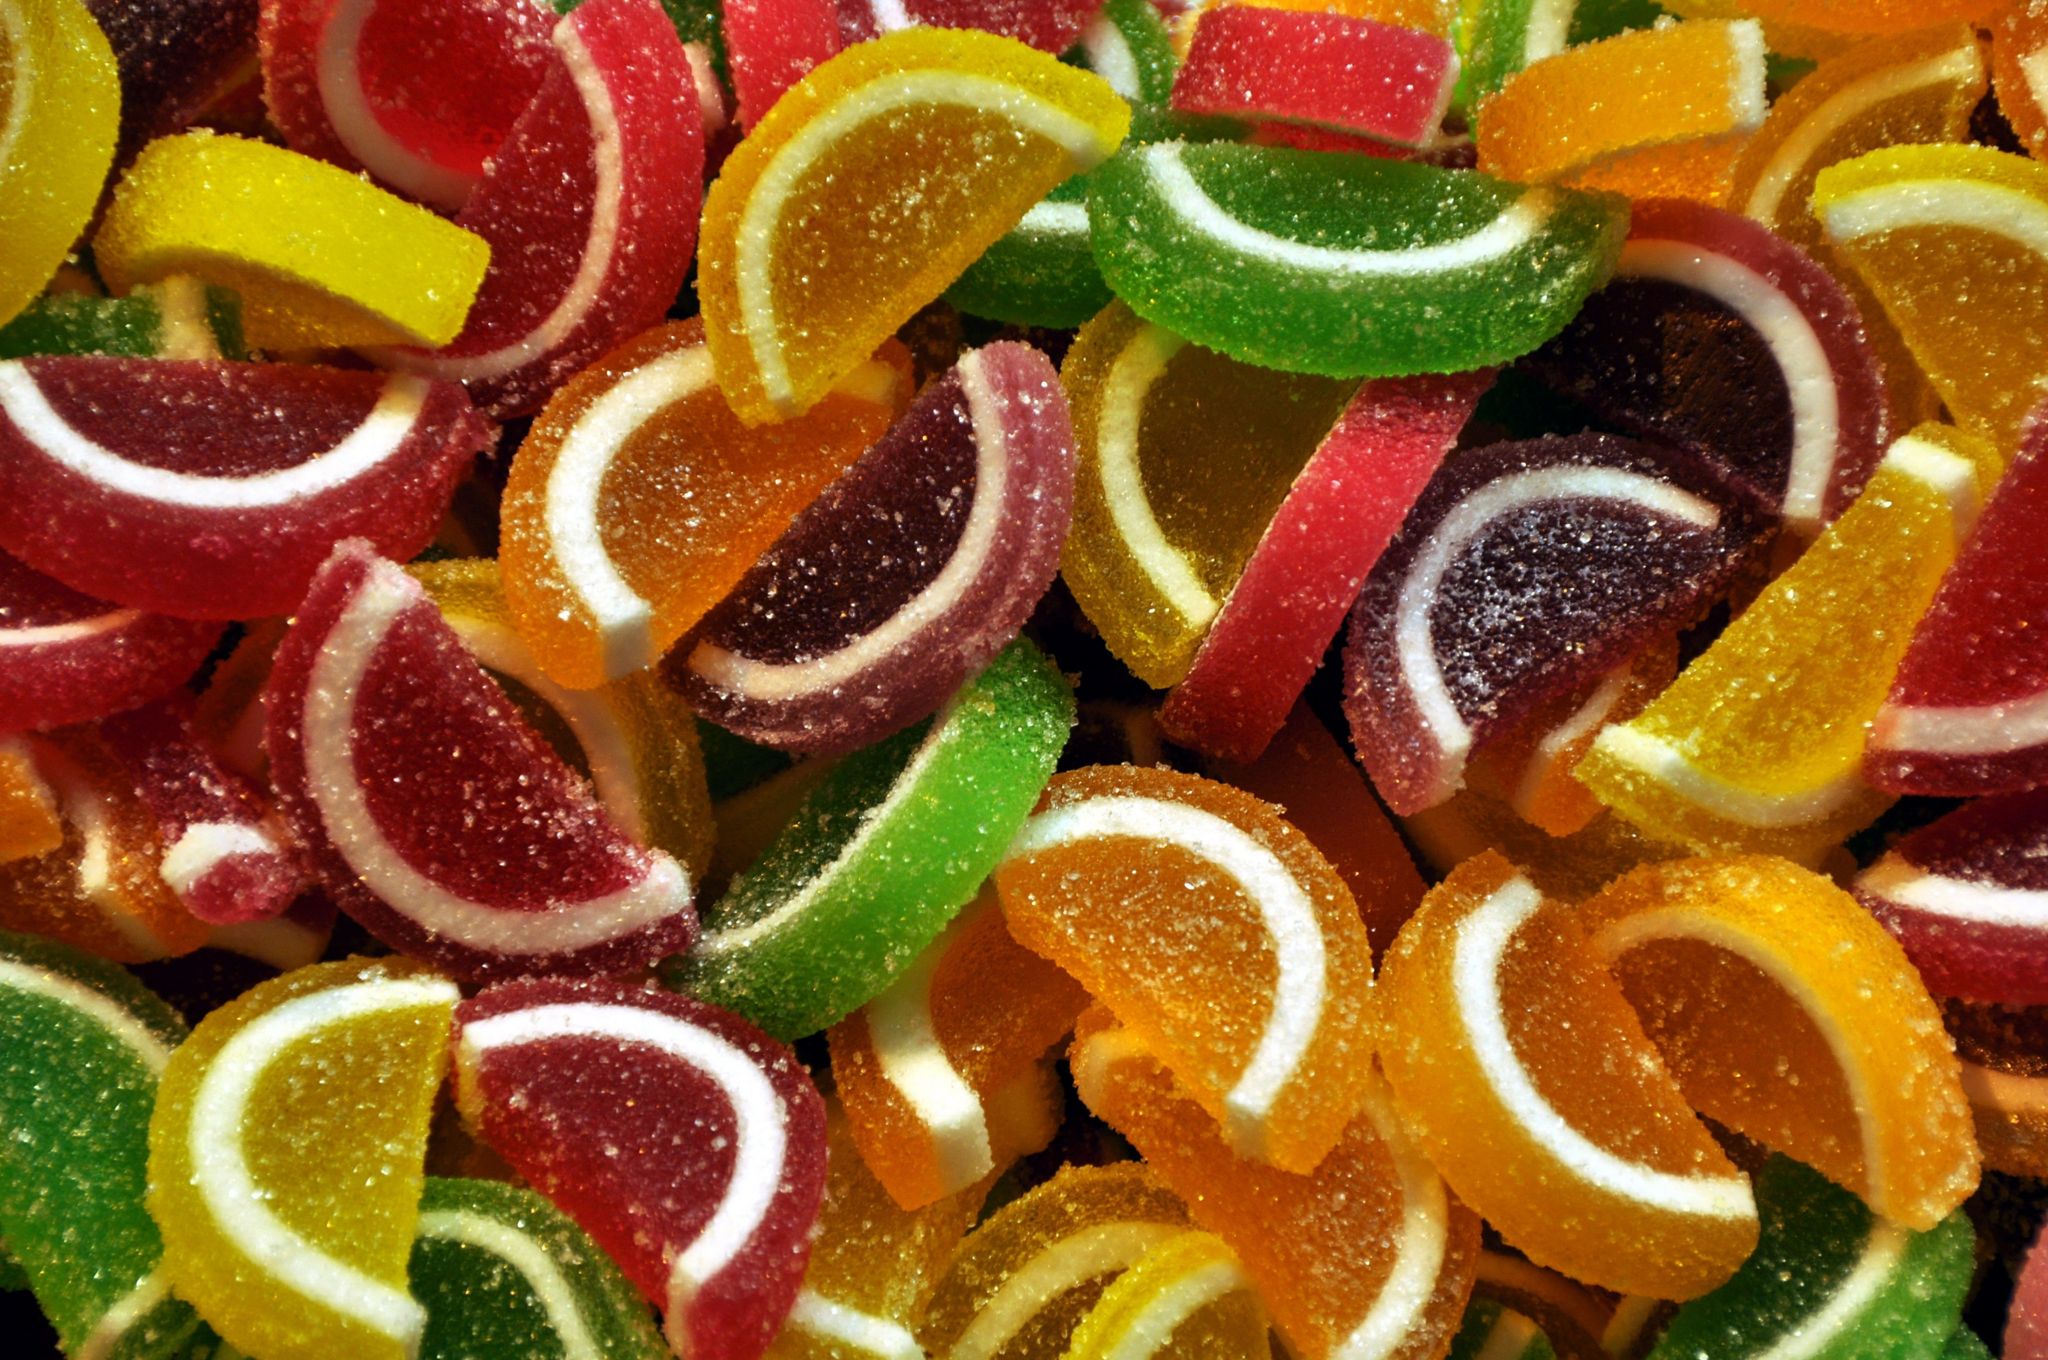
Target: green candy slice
(1826, 1271)
(1347, 266)
(504, 1275)
(1491, 1332)
(882, 854)
(179, 318)
(81, 1046)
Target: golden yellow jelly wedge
(320, 257)
(1704, 78)
(1786, 1012)
(1758, 745)
(1187, 1299)
(29, 824)
(868, 188)
(60, 101)
(286, 1159)
(1953, 240)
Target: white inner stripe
(1063, 1264)
(338, 78)
(1550, 749)
(1149, 1333)
(131, 1308)
(22, 74)
(1047, 218)
(183, 328)
(2003, 1092)
(836, 1323)
(1548, 30)
(202, 847)
(78, 630)
(890, 15)
(1110, 56)
(121, 1025)
(1883, 1251)
(1964, 730)
(1943, 203)
(1748, 100)
(555, 1292)
(1419, 1244)
(1948, 475)
(1980, 901)
(915, 1062)
(1120, 418)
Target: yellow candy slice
(1188, 1298)
(868, 188)
(60, 101)
(1691, 80)
(1758, 745)
(1953, 240)
(286, 1159)
(319, 256)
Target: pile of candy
(674, 678)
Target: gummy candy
(883, 853)
(2017, 42)
(869, 187)
(939, 1075)
(1758, 745)
(212, 489)
(1672, 83)
(1348, 501)
(1365, 1257)
(1717, 335)
(1869, 16)
(1048, 25)
(1785, 1013)
(2004, 1061)
(1524, 570)
(1570, 866)
(285, 1158)
(504, 1276)
(29, 824)
(599, 578)
(176, 58)
(1185, 458)
(1325, 263)
(435, 815)
(1042, 271)
(772, 44)
(906, 576)
(1129, 45)
(1497, 38)
(358, 266)
(687, 1142)
(2026, 1329)
(1218, 933)
(66, 657)
(61, 97)
(179, 318)
(1188, 1296)
(1524, 1075)
(85, 1044)
(1699, 170)
(590, 209)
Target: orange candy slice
(1787, 1013)
(1216, 932)
(29, 824)
(2019, 71)
(868, 188)
(1528, 1080)
(639, 500)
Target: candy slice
(885, 172)
(1787, 1014)
(215, 490)
(1367, 1257)
(504, 1276)
(882, 854)
(1048, 25)
(1968, 898)
(1529, 1082)
(1325, 263)
(435, 815)
(1968, 710)
(1523, 571)
(1348, 501)
(1329, 70)
(1185, 458)
(85, 1044)
(285, 1158)
(687, 1142)
(60, 96)
(940, 1074)
(2003, 1054)
(1698, 170)
(1830, 1277)
(1869, 16)
(177, 59)
(590, 209)
(772, 44)
(599, 581)
(1717, 335)
(1261, 1004)
(906, 576)
(29, 824)
(1024, 1279)
(179, 318)
(2019, 71)
(1758, 745)
(1188, 1296)
(1042, 271)
(358, 266)
(1497, 38)
(67, 658)
(1130, 46)
(1935, 232)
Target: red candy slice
(418, 92)
(1330, 70)
(590, 208)
(1048, 25)
(687, 1142)
(771, 44)
(1527, 569)
(1278, 619)
(906, 576)
(1718, 334)
(438, 818)
(1968, 898)
(215, 490)
(1968, 711)
(66, 657)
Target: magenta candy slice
(435, 815)
(907, 576)
(687, 1142)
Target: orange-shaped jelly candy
(2019, 71)
(1528, 1080)
(29, 824)
(1700, 169)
